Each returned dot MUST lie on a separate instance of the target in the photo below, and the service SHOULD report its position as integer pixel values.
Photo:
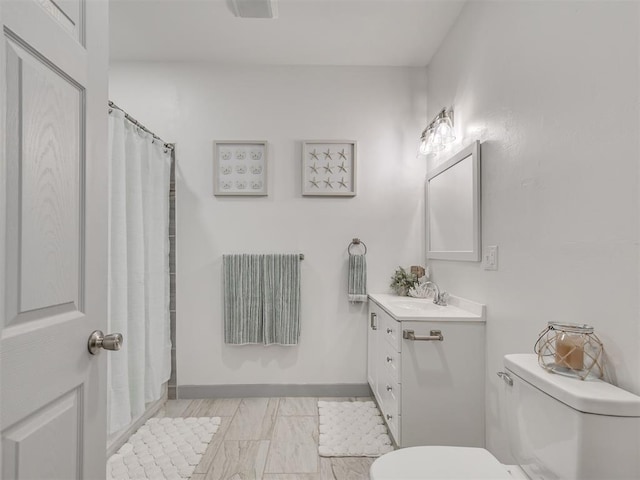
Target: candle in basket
(569, 351)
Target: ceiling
(306, 32)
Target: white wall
(551, 89)
(192, 105)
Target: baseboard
(274, 390)
(115, 441)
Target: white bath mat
(352, 429)
(163, 448)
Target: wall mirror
(453, 207)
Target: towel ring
(356, 241)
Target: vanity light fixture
(438, 133)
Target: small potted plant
(402, 281)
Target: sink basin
(410, 308)
(416, 304)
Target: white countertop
(423, 309)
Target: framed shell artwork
(329, 168)
(240, 167)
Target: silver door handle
(98, 340)
(389, 417)
(389, 330)
(374, 317)
(434, 335)
(389, 388)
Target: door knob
(98, 340)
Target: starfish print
(327, 183)
(314, 183)
(327, 168)
(327, 154)
(314, 168)
(314, 154)
(342, 168)
(342, 183)
(342, 155)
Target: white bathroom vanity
(426, 367)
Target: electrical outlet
(490, 257)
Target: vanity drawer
(391, 405)
(392, 363)
(392, 331)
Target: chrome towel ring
(355, 242)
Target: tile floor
(266, 438)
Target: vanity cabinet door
(442, 399)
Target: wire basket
(570, 349)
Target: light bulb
(445, 130)
(424, 147)
(436, 141)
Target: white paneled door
(53, 237)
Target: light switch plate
(490, 257)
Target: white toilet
(559, 428)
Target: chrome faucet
(438, 298)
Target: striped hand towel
(243, 298)
(281, 299)
(357, 278)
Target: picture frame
(329, 168)
(240, 168)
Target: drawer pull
(389, 388)
(389, 330)
(389, 359)
(374, 321)
(389, 417)
(435, 335)
(507, 379)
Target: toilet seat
(436, 462)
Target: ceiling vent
(254, 8)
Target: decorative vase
(402, 291)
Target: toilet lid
(438, 463)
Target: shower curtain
(138, 270)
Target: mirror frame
(473, 255)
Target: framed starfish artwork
(240, 168)
(329, 168)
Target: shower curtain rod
(170, 146)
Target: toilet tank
(566, 428)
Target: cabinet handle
(435, 335)
(389, 359)
(389, 417)
(389, 388)
(507, 379)
(389, 330)
(374, 321)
